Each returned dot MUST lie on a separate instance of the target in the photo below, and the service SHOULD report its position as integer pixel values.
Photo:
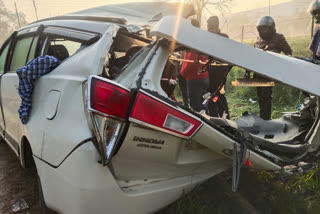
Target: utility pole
(269, 8)
(15, 5)
(35, 9)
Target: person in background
(196, 78)
(269, 40)
(314, 47)
(182, 83)
(217, 105)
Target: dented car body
(105, 135)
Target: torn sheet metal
(221, 144)
(288, 70)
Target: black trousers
(217, 109)
(183, 88)
(265, 102)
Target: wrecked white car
(105, 135)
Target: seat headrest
(58, 51)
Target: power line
(269, 7)
(283, 21)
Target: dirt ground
(16, 182)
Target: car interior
(123, 49)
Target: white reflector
(177, 124)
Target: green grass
(258, 192)
(285, 98)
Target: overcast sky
(47, 8)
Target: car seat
(58, 51)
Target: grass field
(285, 98)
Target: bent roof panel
(140, 13)
(288, 70)
(98, 27)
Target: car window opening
(63, 48)
(123, 50)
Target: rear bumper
(81, 185)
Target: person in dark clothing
(268, 40)
(217, 105)
(314, 47)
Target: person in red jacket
(196, 77)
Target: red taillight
(154, 112)
(108, 105)
(109, 98)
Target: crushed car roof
(138, 13)
(291, 71)
(133, 16)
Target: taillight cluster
(109, 102)
(152, 112)
(108, 98)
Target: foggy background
(238, 19)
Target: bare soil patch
(16, 182)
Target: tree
(203, 5)
(8, 21)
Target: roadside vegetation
(259, 191)
(285, 98)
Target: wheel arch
(26, 155)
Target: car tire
(30, 163)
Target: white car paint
(137, 180)
(94, 189)
(9, 93)
(74, 181)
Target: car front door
(21, 51)
(3, 61)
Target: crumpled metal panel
(291, 71)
